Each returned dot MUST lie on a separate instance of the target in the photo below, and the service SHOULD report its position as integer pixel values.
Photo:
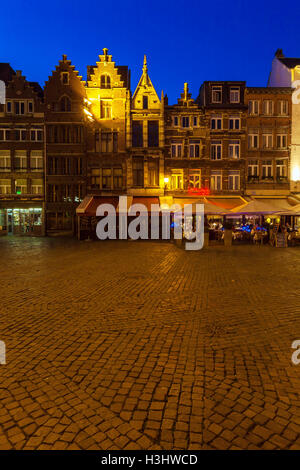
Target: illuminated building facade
(83, 143)
(21, 155)
(66, 162)
(225, 111)
(186, 149)
(268, 141)
(285, 72)
(145, 139)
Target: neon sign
(199, 191)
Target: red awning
(226, 203)
(147, 201)
(88, 206)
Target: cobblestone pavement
(142, 345)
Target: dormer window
(145, 102)
(216, 94)
(65, 78)
(105, 81)
(234, 94)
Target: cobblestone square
(142, 345)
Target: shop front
(27, 221)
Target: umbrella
(254, 207)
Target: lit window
(234, 149)
(234, 94)
(216, 180)
(105, 81)
(234, 180)
(216, 94)
(253, 107)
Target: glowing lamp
(296, 173)
(166, 180)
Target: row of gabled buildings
(75, 143)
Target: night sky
(188, 41)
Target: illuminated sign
(199, 191)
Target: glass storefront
(19, 221)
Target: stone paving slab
(141, 345)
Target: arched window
(65, 104)
(105, 81)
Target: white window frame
(192, 149)
(36, 159)
(7, 162)
(234, 149)
(235, 120)
(215, 121)
(234, 94)
(215, 149)
(36, 133)
(177, 147)
(252, 165)
(253, 107)
(7, 187)
(21, 186)
(280, 138)
(22, 133)
(251, 141)
(267, 169)
(267, 141)
(234, 180)
(23, 162)
(188, 118)
(177, 178)
(216, 181)
(268, 107)
(195, 179)
(5, 130)
(37, 189)
(282, 169)
(215, 89)
(283, 106)
(20, 103)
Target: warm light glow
(295, 174)
(166, 180)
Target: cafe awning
(254, 207)
(228, 203)
(88, 206)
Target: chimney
(279, 53)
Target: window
(95, 178)
(216, 94)
(176, 179)
(20, 161)
(109, 142)
(64, 78)
(253, 169)
(234, 123)
(106, 178)
(281, 169)
(216, 122)
(175, 121)
(234, 180)
(106, 109)
(21, 186)
(5, 162)
(195, 121)
(283, 107)
(267, 169)
(234, 94)
(281, 141)
(253, 107)
(65, 166)
(185, 121)
(267, 141)
(137, 134)
(5, 187)
(153, 172)
(65, 104)
(118, 178)
(216, 150)
(36, 161)
(37, 186)
(194, 149)
(195, 179)
(8, 106)
(53, 166)
(153, 132)
(19, 107)
(145, 102)
(105, 81)
(253, 141)
(5, 134)
(176, 150)
(138, 171)
(216, 180)
(267, 107)
(36, 135)
(20, 134)
(30, 106)
(234, 149)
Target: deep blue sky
(188, 41)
